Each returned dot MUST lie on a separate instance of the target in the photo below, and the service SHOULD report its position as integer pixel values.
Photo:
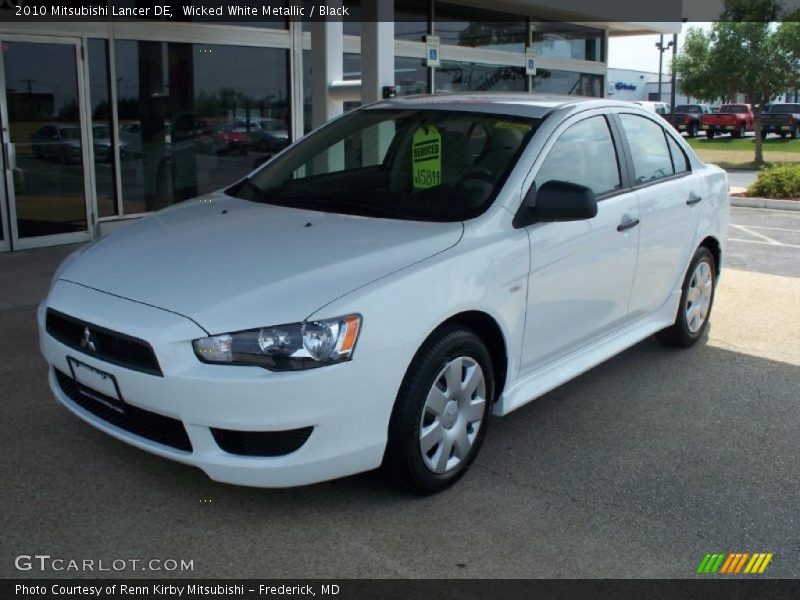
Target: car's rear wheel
(441, 412)
(710, 134)
(692, 130)
(697, 298)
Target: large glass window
(351, 25)
(102, 133)
(411, 19)
(45, 128)
(410, 76)
(584, 154)
(550, 81)
(651, 156)
(194, 117)
(351, 66)
(564, 40)
(307, 113)
(461, 76)
(460, 25)
(425, 165)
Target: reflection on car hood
(230, 264)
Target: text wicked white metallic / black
(346, 306)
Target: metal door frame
(8, 196)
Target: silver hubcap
(452, 414)
(698, 299)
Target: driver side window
(584, 154)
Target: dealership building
(106, 120)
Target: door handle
(627, 223)
(693, 199)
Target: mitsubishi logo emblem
(87, 340)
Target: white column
(377, 49)
(296, 75)
(326, 66)
(327, 49)
(377, 70)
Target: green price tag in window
(426, 158)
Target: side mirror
(557, 201)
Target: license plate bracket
(97, 385)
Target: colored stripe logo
(734, 562)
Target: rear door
(669, 197)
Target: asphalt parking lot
(635, 469)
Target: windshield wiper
(248, 183)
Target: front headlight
(292, 347)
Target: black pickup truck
(783, 119)
(688, 117)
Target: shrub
(782, 181)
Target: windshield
(424, 165)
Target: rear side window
(651, 156)
(680, 162)
(584, 154)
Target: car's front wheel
(440, 415)
(697, 298)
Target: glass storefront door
(45, 153)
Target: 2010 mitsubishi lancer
(374, 292)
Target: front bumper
(347, 405)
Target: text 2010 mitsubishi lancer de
(373, 293)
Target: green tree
(747, 52)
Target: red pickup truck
(736, 119)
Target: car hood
(230, 264)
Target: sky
(640, 52)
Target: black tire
(710, 134)
(764, 133)
(403, 463)
(679, 333)
(783, 135)
(692, 130)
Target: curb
(765, 203)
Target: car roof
(521, 104)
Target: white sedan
(374, 292)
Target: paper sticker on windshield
(426, 158)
